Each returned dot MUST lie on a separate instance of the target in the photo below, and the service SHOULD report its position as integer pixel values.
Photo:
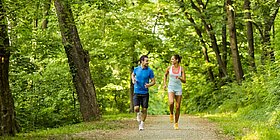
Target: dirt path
(159, 128)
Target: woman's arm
(183, 78)
(165, 77)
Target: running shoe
(141, 126)
(176, 126)
(171, 118)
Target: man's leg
(145, 101)
(136, 109)
(138, 113)
(144, 114)
(145, 107)
(136, 102)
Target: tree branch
(259, 28)
(274, 14)
(201, 4)
(195, 7)
(154, 28)
(206, 4)
(198, 31)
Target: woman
(176, 78)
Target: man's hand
(153, 82)
(147, 85)
(133, 80)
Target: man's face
(145, 62)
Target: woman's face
(174, 60)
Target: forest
(64, 62)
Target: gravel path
(159, 128)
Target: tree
(8, 125)
(250, 33)
(47, 6)
(133, 65)
(209, 29)
(268, 11)
(233, 42)
(224, 38)
(78, 60)
(204, 48)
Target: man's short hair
(142, 58)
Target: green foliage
(158, 104)
(39, 74)
(43, 98)
(115, 38)
(199, 97)
(116, 33)
(109, 122)
(241, 128)
(254, 106)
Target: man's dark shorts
(141, 100)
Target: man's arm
(153, 82)
(133, 78)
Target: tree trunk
(268, 52)
(209, 70)
(78, 60)
(224, 41)
(47, 6)
(8, 125)
(131, 110)
(204, 49)
(209, 30)
(250, 36)
(215, 48)
(233, 43)
(36, 14)
(133, 65)
(269, 19)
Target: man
(141, 77)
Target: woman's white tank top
(175, 83)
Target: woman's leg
(171, 105)
(171, 101)
(178, 99)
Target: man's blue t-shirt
(142, 77)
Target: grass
(242, 129)
(108, 122)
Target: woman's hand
(164, 87)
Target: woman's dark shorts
(141, 100)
